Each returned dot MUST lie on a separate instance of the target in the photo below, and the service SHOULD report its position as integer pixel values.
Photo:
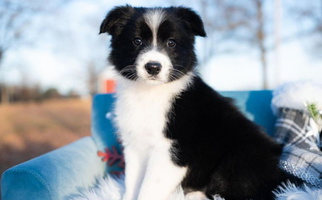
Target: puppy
(175, 129)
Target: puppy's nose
(153, 68)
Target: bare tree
(260, 40)
(223, 21)
(16, 19)
(308, 17)
(237, 22)
(86, 47)
(91, 78)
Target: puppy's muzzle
(153, 68)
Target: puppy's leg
(134, 172)
(162, 176)
(197, 195)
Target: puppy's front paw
(128, 197)
(197, 195)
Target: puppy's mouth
(153, 80)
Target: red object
(111, 156)
(109, 86)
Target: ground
(28, 130)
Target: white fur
(154, 55)
(141, 115)
(296, 94)
(154, 18)
(291, 192)
(162, 176)
(107, 189)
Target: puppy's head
(154, 45)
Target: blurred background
(52, 60)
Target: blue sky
(60, 65)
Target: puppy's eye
(171, 43)
(137, 41)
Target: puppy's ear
(193, 20)
(116, 19)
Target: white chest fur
(142, 110)
(141, 117)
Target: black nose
(153, 68)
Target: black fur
(225, 153)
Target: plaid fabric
(303, 164)
(301, 156)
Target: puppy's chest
(142, 116)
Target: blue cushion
(256, 105)
(56, 175)
(103, 130)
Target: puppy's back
(225, 152)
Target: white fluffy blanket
(296, 94)
(113, 188)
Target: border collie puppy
(175, 129)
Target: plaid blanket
(301, 156)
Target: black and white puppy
(175, 129)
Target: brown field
(28, 130)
